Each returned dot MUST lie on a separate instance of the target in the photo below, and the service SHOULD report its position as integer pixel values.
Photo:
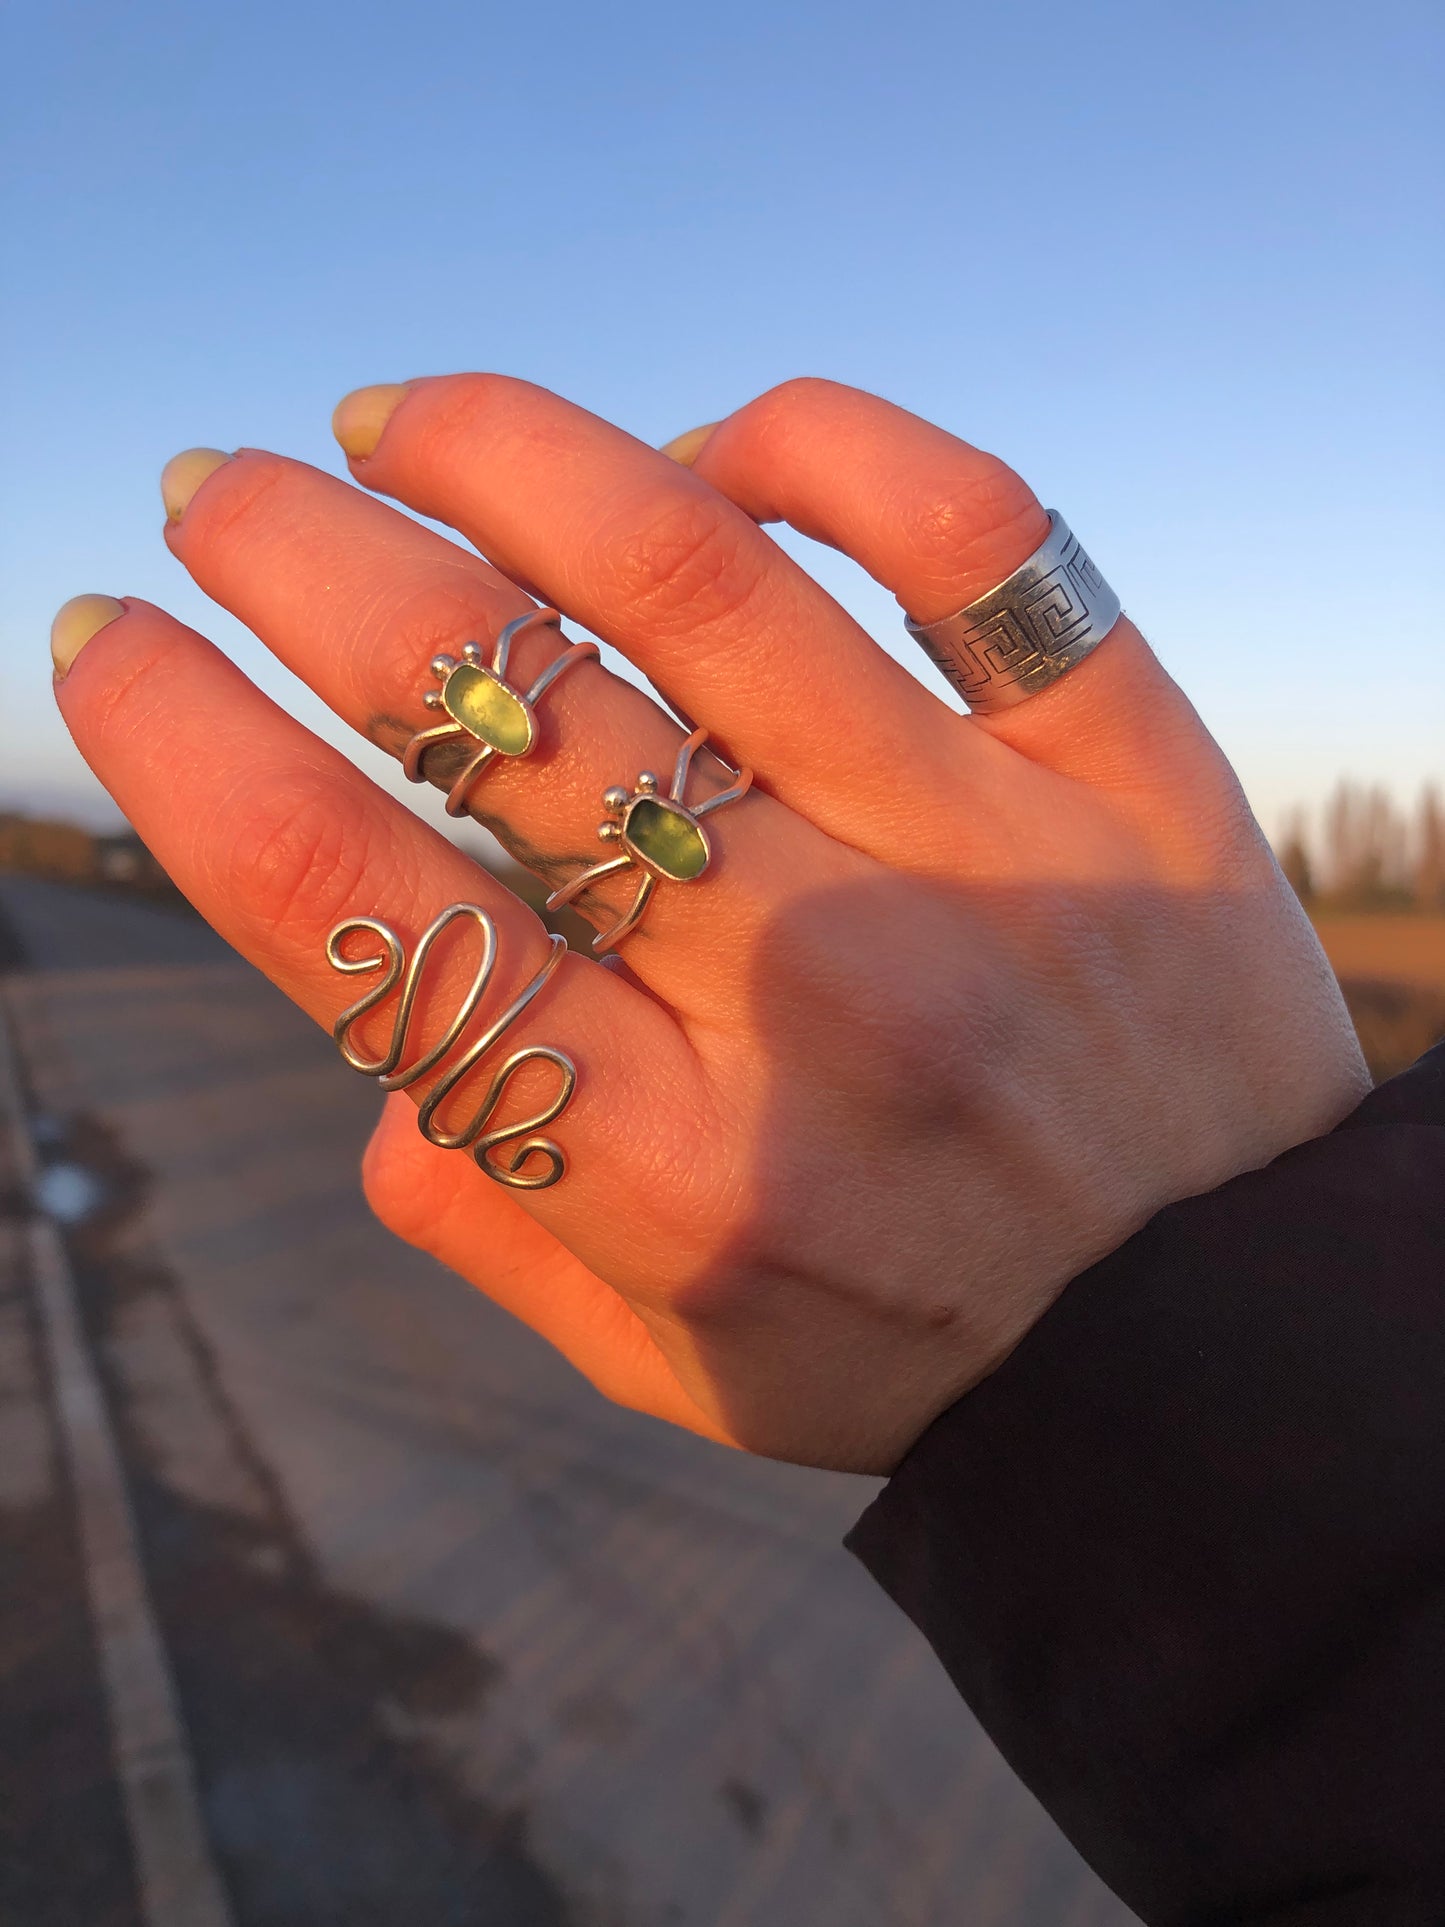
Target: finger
(940, 523)
(358, 599)
(690, 589)
(444, 1206)
(276, 839)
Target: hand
(963, 1003)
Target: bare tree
(1294, 856)
(1366, 848)
(1430, 849)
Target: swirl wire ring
(474, 1135)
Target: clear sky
(1180, 263)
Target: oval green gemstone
(492, 712)
(667, 837)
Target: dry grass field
(1401, 949)
(1392, 970)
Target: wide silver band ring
(1033, 628)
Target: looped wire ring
(473, 1135)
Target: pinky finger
(444, 1206)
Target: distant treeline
(1362, 851)
(38, 846)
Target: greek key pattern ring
(660, 835)
(485, 708)
(537, 1161)
(1037, 625)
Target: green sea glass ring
(484, 707)
(660, 835)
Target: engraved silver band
(1033, 628)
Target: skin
(961, 1004)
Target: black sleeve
(1184, 1552)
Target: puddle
(69, 1193)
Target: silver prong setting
(658, 835)
(493, 737)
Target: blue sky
(1180, 264)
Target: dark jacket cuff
(1184, 1552)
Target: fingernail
(361, 416)
(76, 622)
(686, 448)
(183, 475)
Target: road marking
(176, 1875)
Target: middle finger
(686, 584)
(357, 599)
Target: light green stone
(667, 837)
(492, 712)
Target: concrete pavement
(455, 1641)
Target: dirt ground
(1392, 971)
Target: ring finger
(940, 523)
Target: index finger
(277, 839)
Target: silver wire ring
(660, 835)
(474, 1135)
(485, 708)
(1039, 623)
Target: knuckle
(384, 1184)
(806, 391)
(980, 505)
(792, 413)
(685, 560)
(800, 400)
(298, 861)
(725, 1298)
(428, 607)
(969, 529)
(398, 1186)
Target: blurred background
(426, 1633)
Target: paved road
(456, 1642)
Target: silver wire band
(520, 1172)
(1033, 628)
(511, 709)
(661, 835)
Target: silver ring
(660, 835)
(537, 1161)
(487, 712)
(1033, 628)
